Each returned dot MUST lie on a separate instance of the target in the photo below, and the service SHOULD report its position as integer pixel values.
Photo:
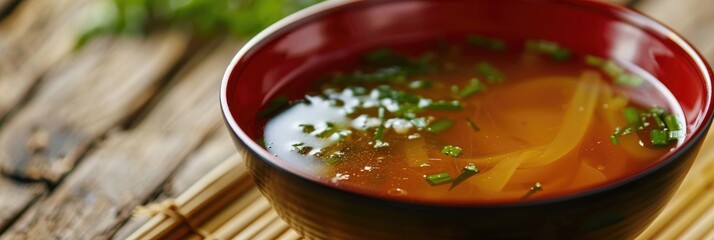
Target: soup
(478, 120)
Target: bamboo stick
(685, 219)
(701, 226)
(232, 210)
(688, 193)
(289, 235)
(230, 176)
(710, 234)
(251, 230)
(272, 231)
(239, 222)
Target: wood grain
(14, 198)
(215, 150)
(86, 96)
(129, 166)
(34, 37)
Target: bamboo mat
(226, 205)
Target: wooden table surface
(88, 135)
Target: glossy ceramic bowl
(286, 56)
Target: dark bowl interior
(287, 56)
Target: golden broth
(547, 122)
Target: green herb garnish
(594, 61)
(659, 138)
(492, 74)
(472, 124)
(560, 55)
(553, 49)
(302, 148)
(632, 116)
(657, 111)
(335, 158)
(452, 151)
(485, 42)
(672, 123)
(466, 173)
(274, 106)
(419, 84)
(438, 179)
(537, 187)
(658, 121)
(307, 128)
(473, 87)
(612, 68)
(328, 131)
(379, 133)
(615, 139)
(445, 105)
(439, 126)
(629, 80)
(202, 18)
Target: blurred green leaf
(201, 18)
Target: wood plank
(214, 151)
(129, 167)
(33, 38)
(15, 197)
(94, 91)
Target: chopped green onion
(451, 150)
(674, 135)
(541, 46)
(658, 121)
(307, 128)
(261, 142)
(626, 132)
(419, 84)
(594, 61)
(484, 42)
(276, 104)
(629, 80)
(357, 91)
(419, 123)
(657, 110)
(560, 55)
(659, 138)
(379, 133)
(672, 123)
(439, 126)
(301, 148)
(553, 49)
(445, 105)
(492, 74)
(535, 188)
(335, 158)
(615, 139)
(329, 130)
(632, 116)
(466, 173)
(473, 87)
(612, 69)
(472, 124)
(438, 179)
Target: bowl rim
(619, 12)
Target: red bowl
(289, 54)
